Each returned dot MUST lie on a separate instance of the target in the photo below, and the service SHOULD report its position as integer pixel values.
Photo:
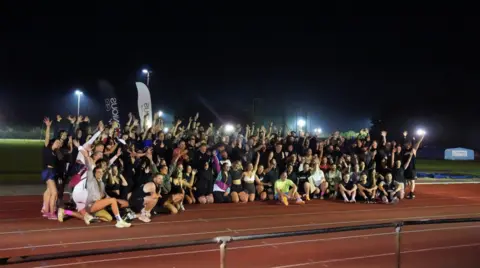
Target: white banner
(144, 104)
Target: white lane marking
(228, 230)
(241, 217)
(378, 255)
(265, 245)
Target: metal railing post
(223, 240)
(398, 238)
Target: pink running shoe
(52, 216)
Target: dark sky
(412, 66)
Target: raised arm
(48, 124)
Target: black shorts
(136, 204)
(410, 175)
(236, 188)
(249, 188)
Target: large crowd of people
(136, 171)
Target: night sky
(410, 67)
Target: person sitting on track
(366, 189)
(145, 197)
(390, 190)
(285, 190)
(333, 177)
(347, 188)
(204, 185)
(221, 187)
(316, 182)
(260, 185)
(97, 199)
(250, 178)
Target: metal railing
(224, 240)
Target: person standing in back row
(410, 170)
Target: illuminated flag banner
(111, 112)
(144, 104)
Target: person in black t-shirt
(347, 189)
(366, 189)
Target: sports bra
(250, 179)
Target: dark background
(407, 66)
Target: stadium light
(147, 73)
(229, 128)
(318, 130)
(165, 130)
(160, 113)
(421, 132)
(301, 123)
(79, 94)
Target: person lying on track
(97, 199)
(366, 189)
(285, 190)
(390, 191)
(347, 189)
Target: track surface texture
(24, 233)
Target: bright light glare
(229, 128)
(165, 130)
(421, 132)
(160, 113)
(78, 92)
(301, 122)
(318, 130)
(145, 71)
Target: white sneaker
(182, 208)
(122, 224)
(87, 218)
(353, 201)
(144, 218)
(60, 214)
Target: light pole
(79, 94)
(147, 73)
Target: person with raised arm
(50, 159)
(250, 178)
(410, 170)
(97, 199)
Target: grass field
(21, 162)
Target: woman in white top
(316, 182)
(250, 178)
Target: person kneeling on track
(170, 203)
(347, 189)
(390, 190)
(366, 189)
(145, 197)
(286, 190)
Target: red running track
(24, 232)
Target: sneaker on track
(122, 224)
